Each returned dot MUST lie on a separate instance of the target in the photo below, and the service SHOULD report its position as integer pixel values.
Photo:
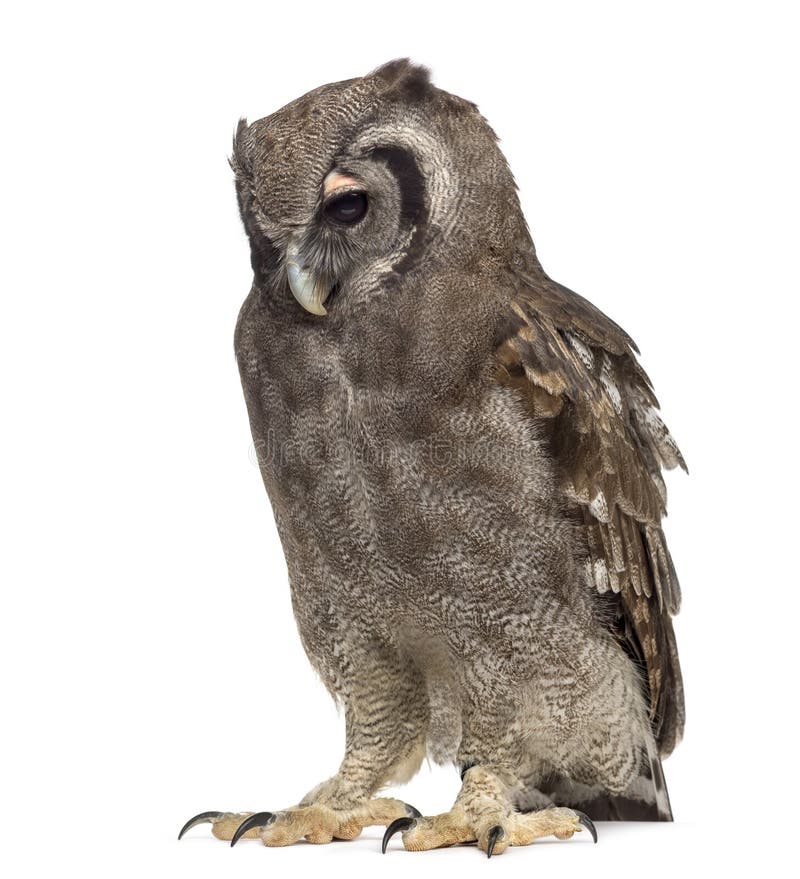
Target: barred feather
(577, 367)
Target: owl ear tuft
(239, 161)
(405, 79)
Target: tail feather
(647, 799)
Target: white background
(151, 665)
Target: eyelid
(342, 190)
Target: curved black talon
(202, 818)
(414, 813)
(396, 825)
(260, 819)
(587, 823)
(495, 833)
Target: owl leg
(484, 813)
(314, 823)
(385, 743)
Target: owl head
(371, 188)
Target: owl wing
(578, 372)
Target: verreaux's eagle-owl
(464, 461)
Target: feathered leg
(485, 809)
(386, 729)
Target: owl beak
(307, 287)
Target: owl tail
(647, 798)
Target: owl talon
(397, 825)
(260, 819)
(587, 822)
(202, 818)
(495, 833)
(414, 813)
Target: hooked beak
(308, 288)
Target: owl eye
(347, 208)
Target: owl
(464, 462)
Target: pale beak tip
(306, 287)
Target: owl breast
(397, 509)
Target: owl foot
(316, 823)
(493, 832)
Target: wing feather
(578, 369)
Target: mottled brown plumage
(578, 368)
(463, 458)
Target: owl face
(353, 187)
